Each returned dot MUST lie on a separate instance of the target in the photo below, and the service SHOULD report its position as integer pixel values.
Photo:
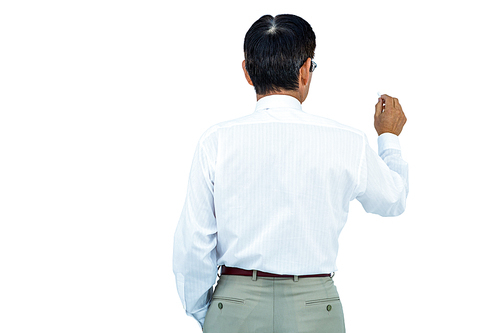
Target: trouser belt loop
(295, 278)
(254, 275)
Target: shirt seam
(355, 131)
(279, 107)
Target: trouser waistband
(254, 273)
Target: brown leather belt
(238, 271)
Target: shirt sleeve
(195, 239)
(383, 184)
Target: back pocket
(321, 301)
(229, 299)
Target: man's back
(283, 181)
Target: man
(269, 193)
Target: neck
(293, 93)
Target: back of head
(275, 49)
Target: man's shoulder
(249, 118)
(227, 123)
(328, 122)
(212, 130)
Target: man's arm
(195, 240)
(383, 181)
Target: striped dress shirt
(270, 191)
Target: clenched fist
(389, 115)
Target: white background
(102, 104)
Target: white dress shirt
(270, 191)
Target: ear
(304, 74)
(246, 73)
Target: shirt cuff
(388, 141)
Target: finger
(398, 105)
(378, 107)
(387, 100)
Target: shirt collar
(278, 101)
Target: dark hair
(275, 49)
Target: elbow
(396, 207)
(391, 205)
(395, 212)
(388, 209)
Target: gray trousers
(242, 304)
